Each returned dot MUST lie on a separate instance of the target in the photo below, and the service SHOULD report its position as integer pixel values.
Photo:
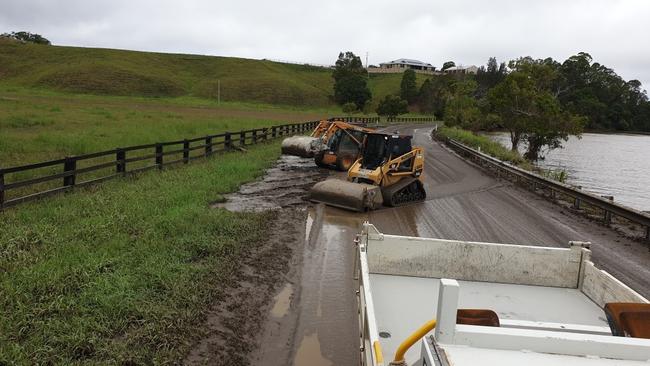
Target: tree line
(26, 37)
(540, 102)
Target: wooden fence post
(186, 151)
(254, 137)
(159, 156)
(227, 141)
(2, 189)
(70, 165)
(208, 146)
(120, 166)
(242, 138)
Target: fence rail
(505, 170)
(27, 182)
(127, 160)
(410, 119)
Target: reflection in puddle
(309, 222)
(282, 301)
(309, 353)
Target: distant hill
(125, 73)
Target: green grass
(131, 73)
(163, 75)
(121, 273)
(382, 85)
(36, 127)
(484, 143)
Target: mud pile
(284, 185)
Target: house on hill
(462, 70)
(403, 64)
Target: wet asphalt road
(462, 203)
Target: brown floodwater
(606, 164)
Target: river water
(605, 164)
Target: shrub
(392, 106)
(349, 107)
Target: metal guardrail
(502, 168)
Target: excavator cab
(341, 146)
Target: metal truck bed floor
(463, 355)
(403, 303)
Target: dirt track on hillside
(308, 315)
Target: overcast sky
(614, 32)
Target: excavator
(388, 173)
(333, 144)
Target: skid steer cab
(386, 160)
(388, 173)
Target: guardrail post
(607, 217)
(120, 166)
(242, 138)
(70, 165)
(208, 146)
(254, 137)
(186, 151)
(274, 132)
(227, 141)
(159, 156)
(576, 202)
(2, 189)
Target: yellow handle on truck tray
(410, 341)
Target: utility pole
(367, 69)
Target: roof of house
(406, 61)
(471, 67)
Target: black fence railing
(27, 182)
(23, 183)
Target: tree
(597, 92)
(447, 65)
(462, 108)
(408, 87)
(434, 94)
(392, 106)
(350, 80)
(525, 105)
(490, 75)
(27, 37)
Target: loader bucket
(352, 196)
(303, 146)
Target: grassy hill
(148, 74)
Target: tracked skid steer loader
(388, 173)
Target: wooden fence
(60, 175)
(27, 182)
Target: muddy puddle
(309, 353)
(282, 301)
(284, 185)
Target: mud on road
(294, 302)
(260, 287)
